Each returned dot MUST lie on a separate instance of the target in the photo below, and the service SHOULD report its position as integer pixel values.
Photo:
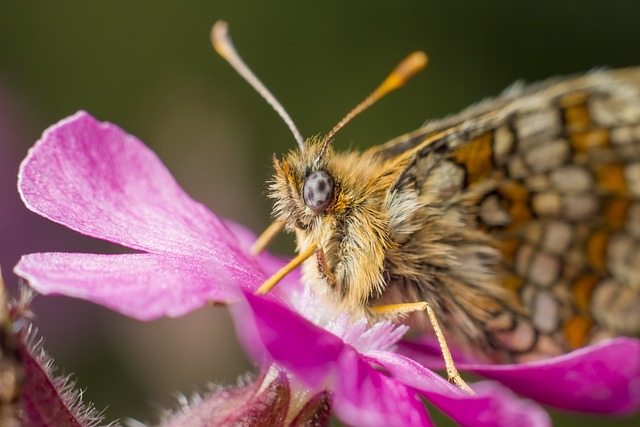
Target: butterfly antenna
(224, 46)
(404, 71)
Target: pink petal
(296, 344)
(144, 286)
(602, 378)
(100, 181)
(365, 397)
(493, 405)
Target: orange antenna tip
(220, 38)
(409, 67)
(404, 71)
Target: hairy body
(518, 220)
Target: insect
(517, 221)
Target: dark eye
(317, 191)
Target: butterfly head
(305, 187)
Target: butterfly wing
(519, 219)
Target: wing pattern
(527, 236)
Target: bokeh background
(147, 65)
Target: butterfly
(516, 223)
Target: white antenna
(223, 45)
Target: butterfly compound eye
(318, 190)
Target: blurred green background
(148, 66)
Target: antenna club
(409, 67)
(219, 37)
(412, 64)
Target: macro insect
(515, 223)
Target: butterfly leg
(402, 309)
(452, 371)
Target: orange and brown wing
(551, 175)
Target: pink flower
(96, 179)
(371, 384)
